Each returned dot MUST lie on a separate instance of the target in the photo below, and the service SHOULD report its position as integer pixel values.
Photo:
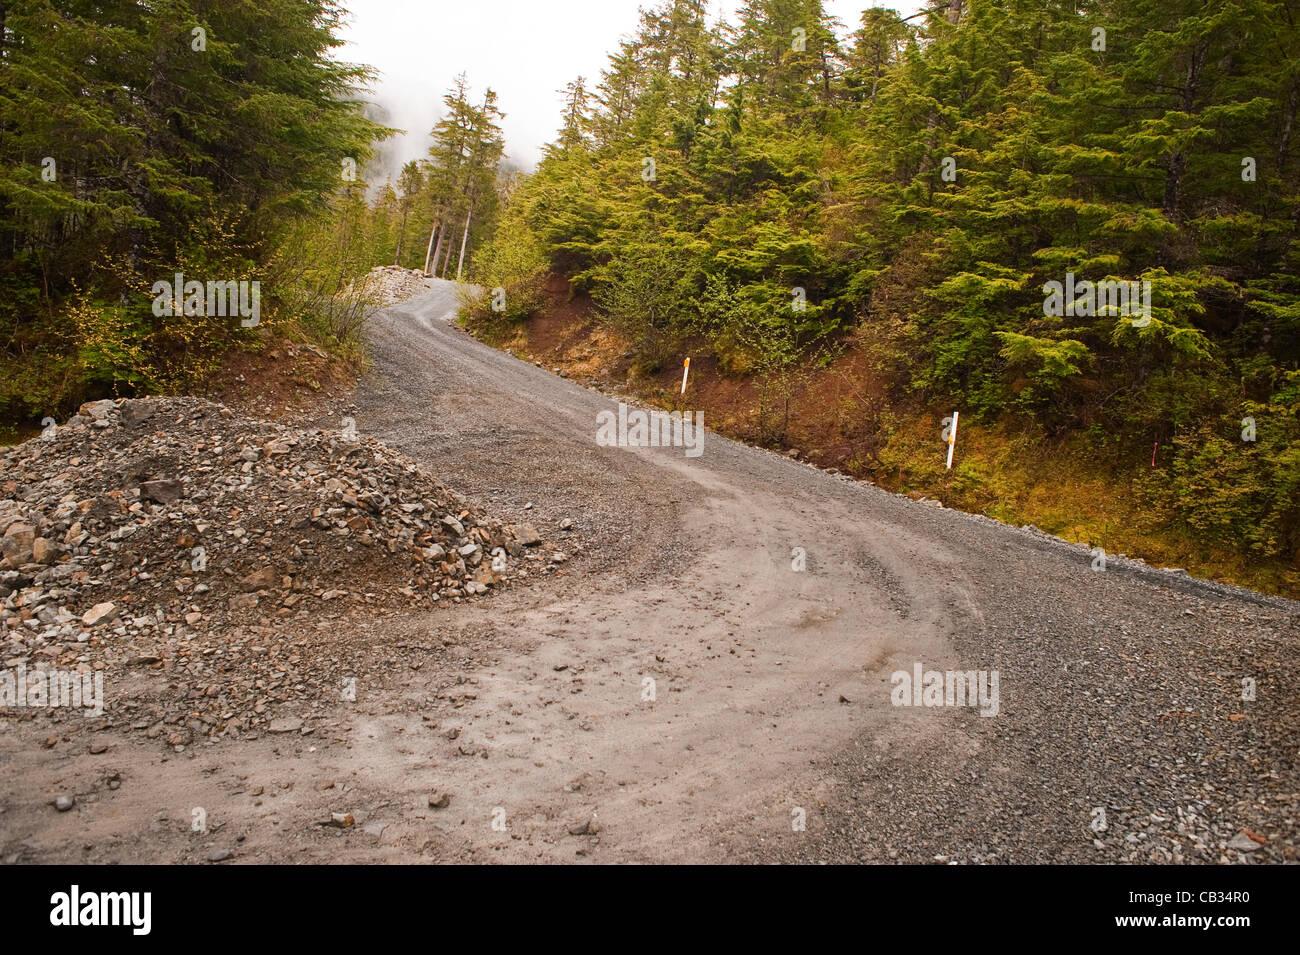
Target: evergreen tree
(139, 140)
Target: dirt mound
(177, 511)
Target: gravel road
(1121, 732)
(710, 676)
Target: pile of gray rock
(389, 284)
(176, 512)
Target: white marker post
(952, 439)
(686, 370)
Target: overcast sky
(526, 50)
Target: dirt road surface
(712, 678)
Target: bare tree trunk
(446, 257)
(437, 250)
(429, 250)
(954, 11)
(463, 239)
(1289, 123)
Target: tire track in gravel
(771, 686)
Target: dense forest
(219, 141)
(775, 197)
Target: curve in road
(687, 693)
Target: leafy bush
(512, 270)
